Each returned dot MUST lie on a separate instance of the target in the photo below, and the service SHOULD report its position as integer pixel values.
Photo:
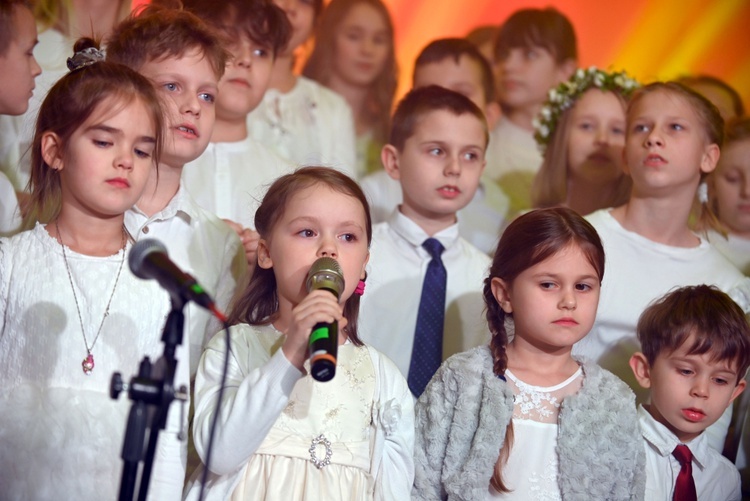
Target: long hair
(527, 241)
(550, 187)
(69, 103)
(319, 66)
(259, 303)
(702, 216)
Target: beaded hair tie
(85, 57)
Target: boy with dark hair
(229, 179)
(695, 351)
(436, 152)
(18, 69)
(535, 50)
(456, 64)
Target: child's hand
(318, 306)
(249, 239)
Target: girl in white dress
(71, 312)
(729, 194)
(521, 418)
(281, 435)
(355, 56)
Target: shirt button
(145, 229)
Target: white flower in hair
(567, 93)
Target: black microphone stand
(151, 398)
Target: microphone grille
(326, 273)
(140, 251)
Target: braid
(496, 323)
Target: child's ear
(363, 275)
(389, 156)
(641, 369)
(492, 113)
(501, 291)
(264, 255)
(52, 150)
(710, 158)
(738, 389)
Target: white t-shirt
(715, 477)
(309, 125)
(480, 222)
(734, 248)
(230, 179)
(201, 245)
(395, 272)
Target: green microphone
(326, 274)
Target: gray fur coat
(461, 420)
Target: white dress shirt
(733, 247)
(395, 272)
(715, 477)
(201, 245)
(480, 222)
(230, 179)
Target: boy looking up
(535, 50)
(231, 176)
(436, 152)
(695, 345)
(185, 60)
(455, 64)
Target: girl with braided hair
(522, 418)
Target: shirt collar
(415, 235)
(664, 441)
(181, 205)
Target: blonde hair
(550, 186)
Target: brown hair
(713, 128)
(69, 103)
(444, 48)
(155, 33)
(259, 303)
(715, 322)
(419, 102)
(694, 80)
(261, 21)
(550, 186)
(547, 28)
(319, 66)
(527, 241)
(7, 28)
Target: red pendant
(88, 364)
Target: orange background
(651, 39)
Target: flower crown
(567, 93)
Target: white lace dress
(532, 468)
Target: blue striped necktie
(427, 352)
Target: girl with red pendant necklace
(71, 312)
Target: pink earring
(360, 288)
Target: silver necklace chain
(88, 362)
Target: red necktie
(684, 488)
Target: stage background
(651, 39)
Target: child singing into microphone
(281, 434)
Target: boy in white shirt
(535, 50)
(230, 178)
(184, 60)
(436, 151)
(456, 64)
(18, 69)
(695, 345)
